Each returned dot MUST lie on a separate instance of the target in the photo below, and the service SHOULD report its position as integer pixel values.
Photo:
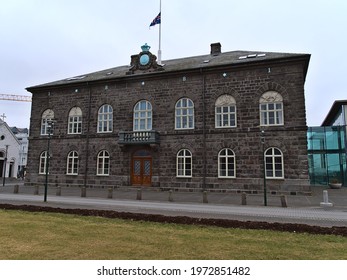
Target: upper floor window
(72, 163)
(184, 163)
(225, 108)
(142, 116)
(271, 109)
(184, 114)
(226, 164)
(43, 163)
(47, 117)
(103, 163)
(75, 121)
(274, 163)
(105, 118)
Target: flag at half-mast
(157, 20)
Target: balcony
(138, 137)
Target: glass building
(327, 154)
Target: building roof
(17, 130)
(335, 108)
(182, 64)
(4, 124)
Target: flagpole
(159, 50)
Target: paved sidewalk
(338, 197)
(301, 209)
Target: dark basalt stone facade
(153, 156)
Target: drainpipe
(203, 130)
(87, 140)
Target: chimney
(216, 49)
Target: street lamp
(50, 124)
(262, 139)
(5, 163)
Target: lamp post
(262, 139)
(50, 124)
(5, 163)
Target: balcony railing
(138, 137)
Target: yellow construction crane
(14, 97)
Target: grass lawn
(51, 236)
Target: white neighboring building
(22, 135)
(9, 152)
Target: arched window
(47, 116)
(103, 163)
(184, 114)
(75, 121)
(72, 163)
(225, 109)
(105, 118)
(271, 109)
(43, 162)
(184, 163)
(142, 116)
(226, 164)
(274, 163)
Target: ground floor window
(226, 164)
(72, 163)
(274, 163)
(103, 164)
(43, 162)
(184, 163)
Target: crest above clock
(145, 61)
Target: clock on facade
(144, 59)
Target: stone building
(208, 121)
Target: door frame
(141, 155)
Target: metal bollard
(58, 191)
(326, 204)
(139, 194)
(83, 192)
(244, 198)
(283, 200)
(110, 193)
(204, 197)
(16, 189)
(170, 196)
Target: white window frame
(271, 109)
(143, 116)
(43, 162)
(47, 116)
(184, 114)
(227, 158)
(184, 160)
(72, 163)
(75, 121)
(274, 163)
(105, 119)
(225, 112)
(103, 163)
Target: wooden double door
(141, 168)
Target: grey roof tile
(174, 65)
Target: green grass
(25, 235)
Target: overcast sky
(43, 41)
